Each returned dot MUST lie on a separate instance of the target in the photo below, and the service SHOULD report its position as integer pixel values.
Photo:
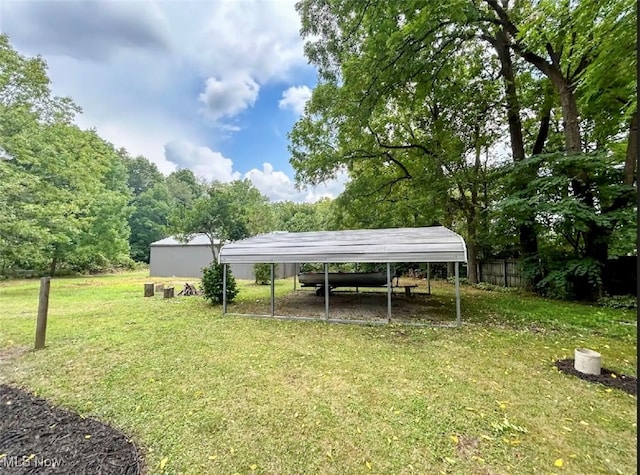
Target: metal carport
(428, 245)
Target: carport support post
(273, 297)
(295, 276)
(429, 278)
(357, 269)
(388, 292)
(326, 291)
(224, 289)
(458, 320)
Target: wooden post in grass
(148, 290)
(168, 292)
(43, 309)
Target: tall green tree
(185, 187)
(149, 221)
(151, 204)
(141, 173)
(253, 205)
(571, 43)
(65, 188)
(218, 214)
(302, 217)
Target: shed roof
(432, 244)
(196, 240)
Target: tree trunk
(451, 269)
(528, 236)
(472, 268)
(570, 122)
(472, 225)
(596, 236)
(53, 265)
(500, 43)
(632, 152)
(526, 231)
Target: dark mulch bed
(625, 383)
(37, 438)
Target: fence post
(43, 310)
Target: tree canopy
(480, 115)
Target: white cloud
(295, 99)
(256, 37)
(243, 45)
(228, 97)
(203, 161)
(279, 187)
(274, 184)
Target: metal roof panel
(426, 244)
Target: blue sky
(210, 85)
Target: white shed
(172, 258)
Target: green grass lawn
(202, 393)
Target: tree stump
(159, 288)
(148, 290)
(168, 292)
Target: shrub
(263, 273)
(619, 301)
(571, 279)
(212, 285)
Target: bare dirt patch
(10, 353)
(346, 304)
(467, 445)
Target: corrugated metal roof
(197, 240)
(432, 244)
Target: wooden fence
(619, 277)
(503, 272)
